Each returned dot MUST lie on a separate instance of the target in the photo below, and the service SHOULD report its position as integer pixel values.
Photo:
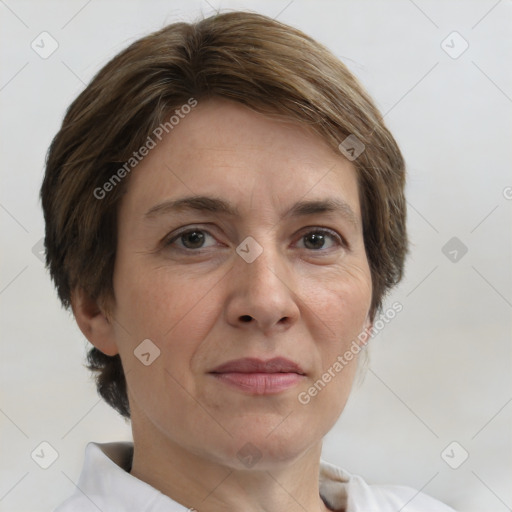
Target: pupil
(317, 239)
(195, 237)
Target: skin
(302, 299)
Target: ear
(95, 324)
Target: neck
(208, 485)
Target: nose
(263, 294)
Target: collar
(105, 476)
(106, 484)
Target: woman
(225, 213)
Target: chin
(267, 449)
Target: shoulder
(344, 491)
(105, 484)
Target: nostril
(245, 318)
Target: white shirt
(105, 485)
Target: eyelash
(338, 239)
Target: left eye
(316, 239)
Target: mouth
(258, 377)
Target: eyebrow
(220, 206)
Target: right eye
(190, 239)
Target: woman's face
(271, 265)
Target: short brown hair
(246, 57)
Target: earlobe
(94, 322)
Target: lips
(256, 377)
(252, 365)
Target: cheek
(157, 301)
(339, 307)
(341, 301)
(174, 310)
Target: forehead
(224, 149)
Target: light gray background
(440, 372)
